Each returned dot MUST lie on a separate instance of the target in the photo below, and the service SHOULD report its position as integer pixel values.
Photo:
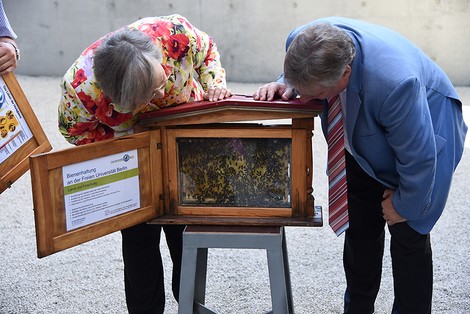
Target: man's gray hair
(124, 66)
(318, 54)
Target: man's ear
(347, 73)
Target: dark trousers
(143, 268)
(364, 247)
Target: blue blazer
(403, 119)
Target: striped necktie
(337, 192)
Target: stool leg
(290, 301)
(201, 274)
(187, 281)
(277, 281)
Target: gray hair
(124, 66)
(318, 54)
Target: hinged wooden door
(89, 191)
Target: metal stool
(197, 240)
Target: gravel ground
(89, 278)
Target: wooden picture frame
(49, 190)
(21, 134)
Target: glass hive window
(234, 172)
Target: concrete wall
(250, 33)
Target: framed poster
(89, 191)
(21, 134)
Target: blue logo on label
(2, 98)
(126, 157)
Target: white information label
(101, 188)
(14, 130)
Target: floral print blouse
(190, 60)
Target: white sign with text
(101, 188)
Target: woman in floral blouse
(152, 63)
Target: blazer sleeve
(409, 131)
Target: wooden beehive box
(200, 163)
(222, 165)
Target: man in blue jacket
(404, 136)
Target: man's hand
(391, 216)
(7, 58)
(272, 90)
(217, 93)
